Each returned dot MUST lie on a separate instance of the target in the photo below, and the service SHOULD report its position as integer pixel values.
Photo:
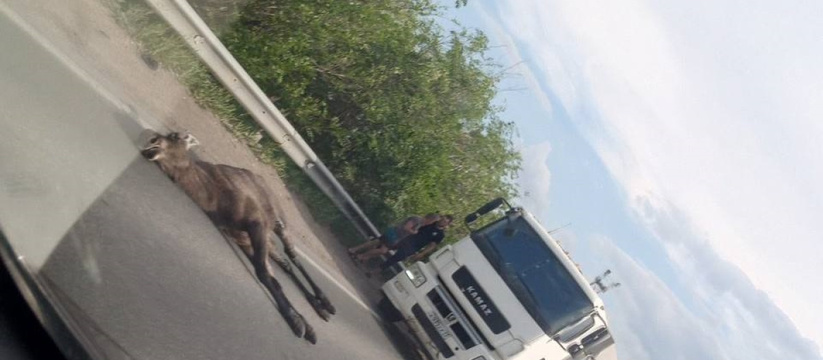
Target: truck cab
(506, 291)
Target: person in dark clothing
(418, 246)
(392, 236)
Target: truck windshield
(533, 272)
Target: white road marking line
(303, 256)
(342, 287)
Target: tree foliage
(400, 110)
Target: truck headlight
(415, 275)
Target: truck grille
(456, 321)
(431, 331)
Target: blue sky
(682, 141)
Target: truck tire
(388, 311)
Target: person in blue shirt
(420, 244)
(390, 237)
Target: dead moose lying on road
(239, 204)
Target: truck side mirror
(485, 209)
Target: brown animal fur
(239, 204)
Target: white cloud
(535, 177)
(713, 109)
(734, 309)
(651, 322)
(648, 320)
(515, 58)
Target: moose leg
(279, 228)
(315, 303)
(258, 235)
(241, 238)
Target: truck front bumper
(445, 337)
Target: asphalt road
(139, 268)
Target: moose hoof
(320, 308)
(324, 314)
(297, 323)
(327, 304)
(310, 336)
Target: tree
(399, 111)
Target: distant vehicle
(506, 291)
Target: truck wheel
(388, 311)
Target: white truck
(506, 291)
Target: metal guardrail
(186, 22)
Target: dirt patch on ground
(85, 33)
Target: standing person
(420, 244)
(390, 238)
